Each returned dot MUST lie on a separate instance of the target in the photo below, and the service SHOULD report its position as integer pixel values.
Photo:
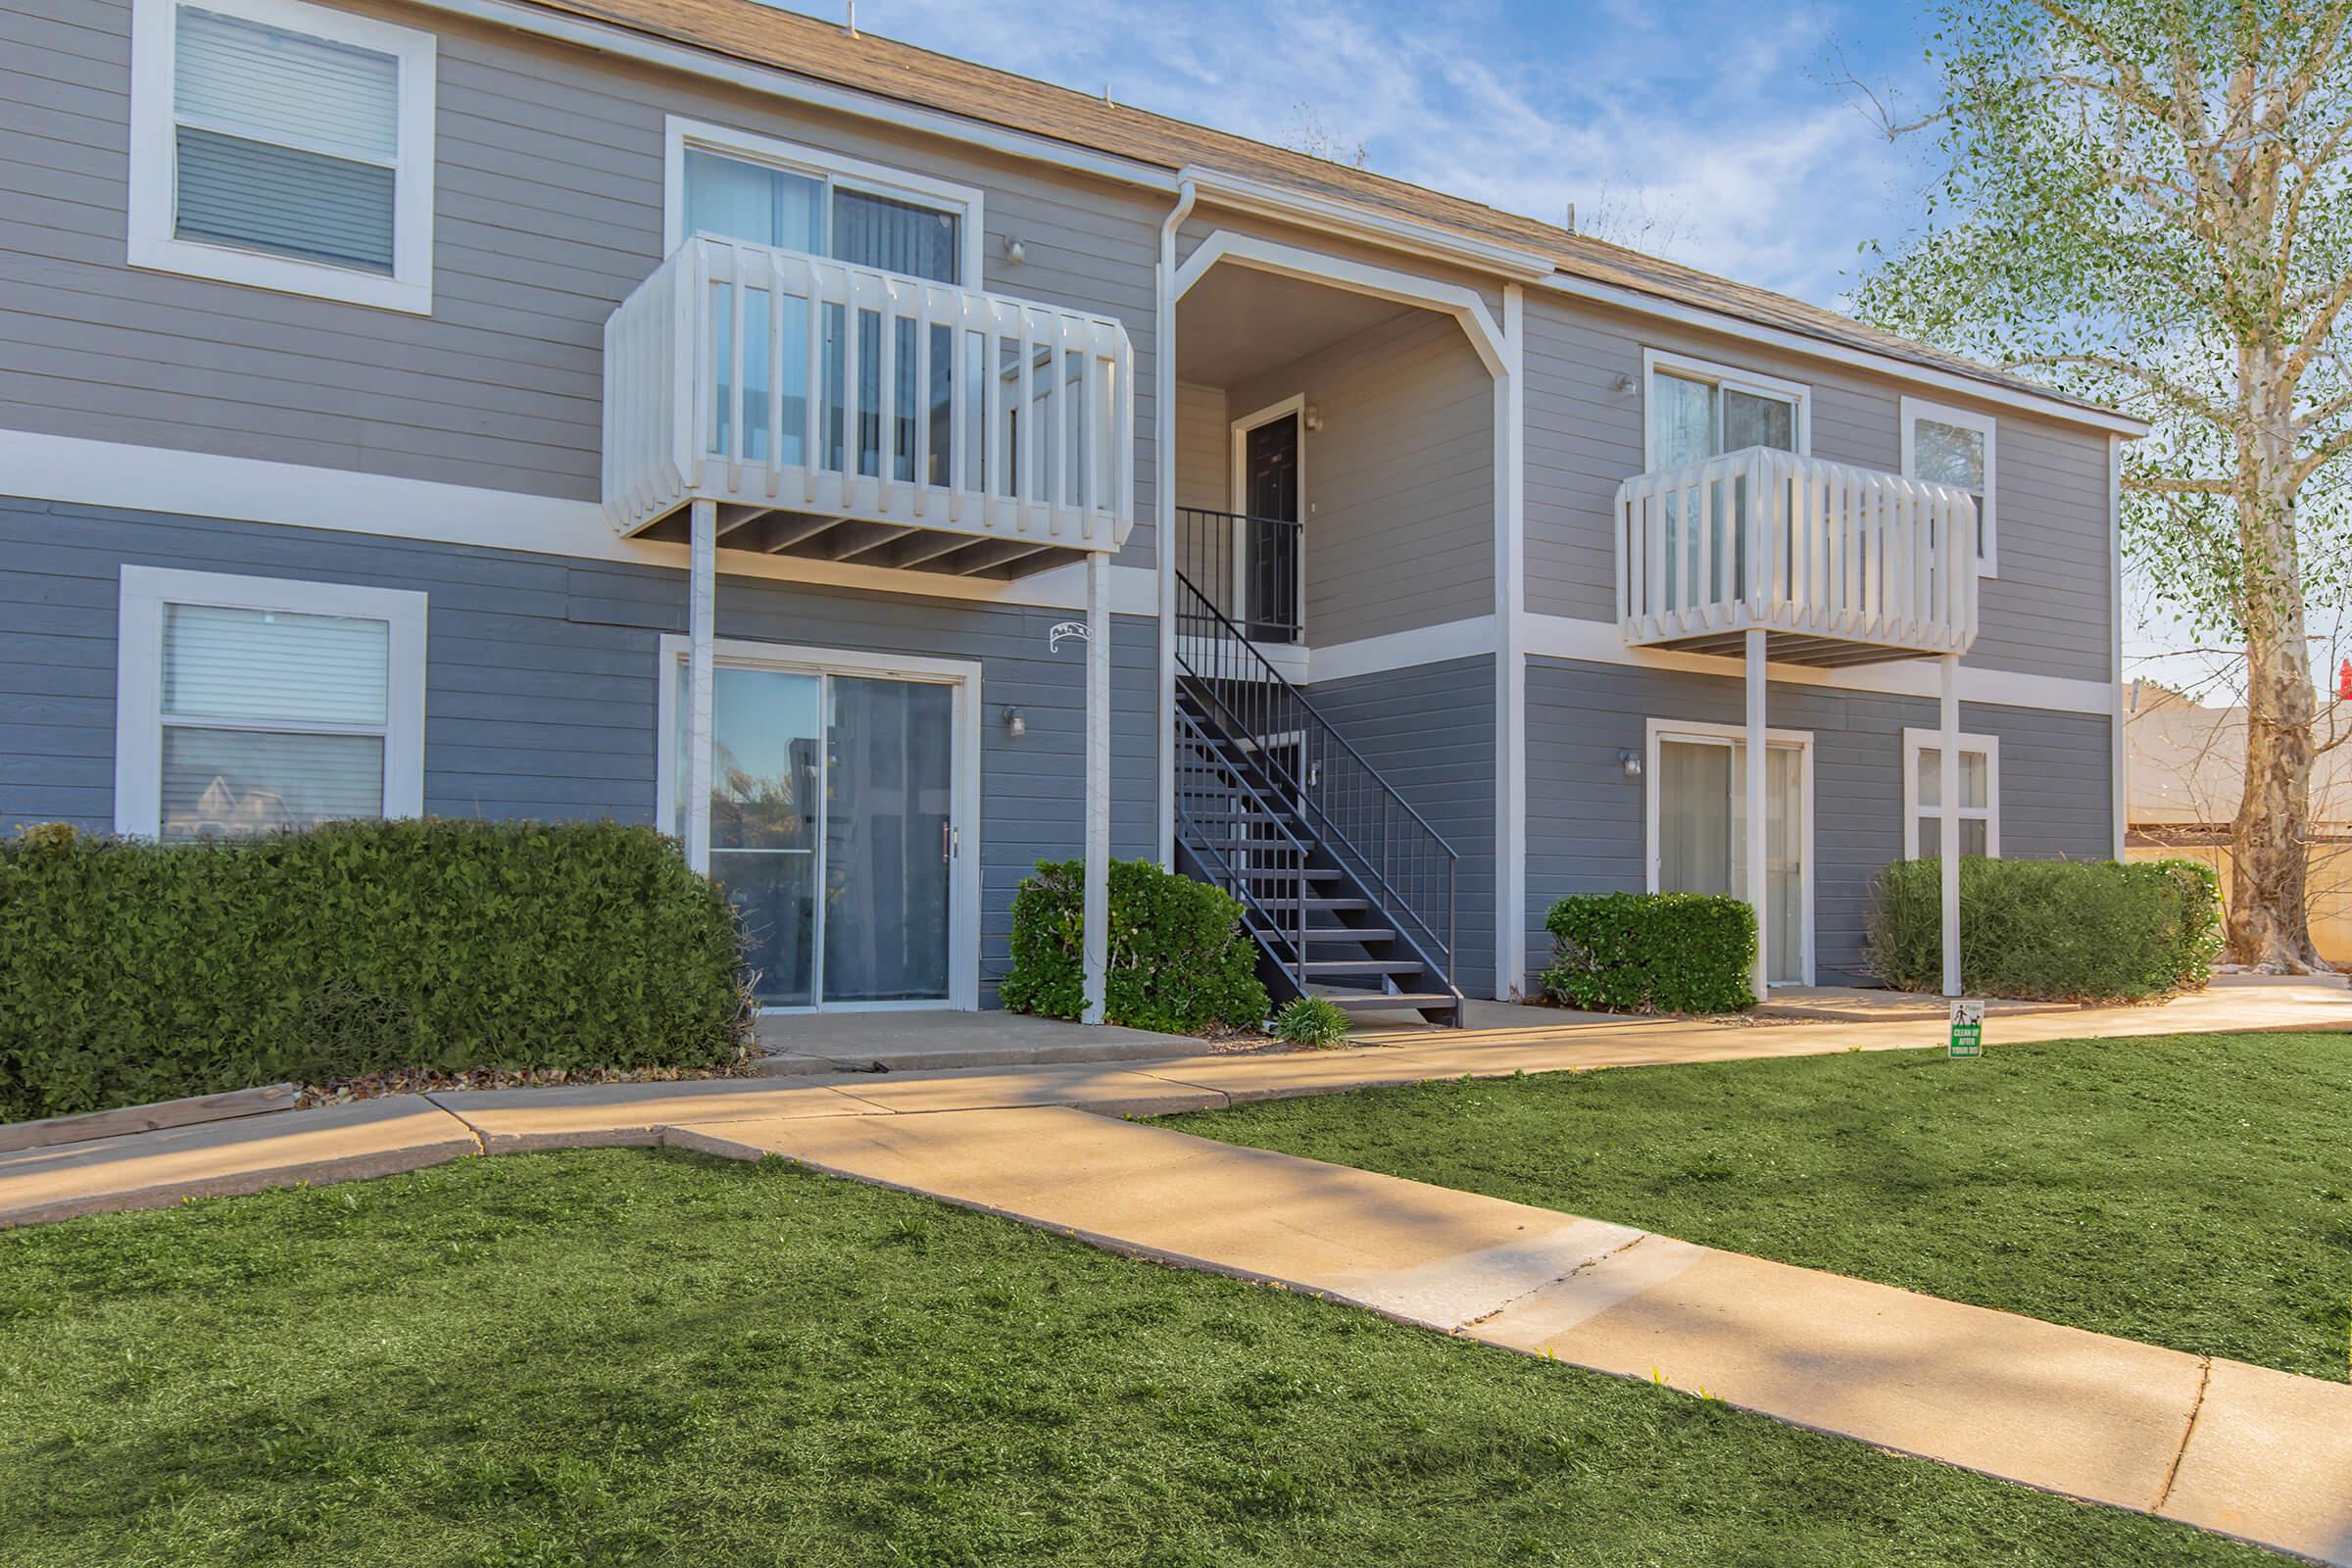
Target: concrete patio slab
(931, 1041)
(591, 1116)
(2269, 1460)
(157, 1169)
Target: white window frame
(139, 677)
(1914, 409)
(1661, 731)
(154, 180)
(1915, 741)
(680, 135)
(963, 816)
(1657, 362)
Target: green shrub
(1652, 953)
(138, 972)
(1179, 959)
(2050, 930)
(1311, 1021)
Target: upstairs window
(740, 186)
(283, 145)
(1956, 447)
(1699, 411)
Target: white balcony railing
(934, 406)
(1840, 563)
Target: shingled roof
(825, 51)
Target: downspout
(1163, 496)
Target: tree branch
(2327, 452)
(2171, 391)
(2161, 484)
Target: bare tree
(1312, 135)
(2150, 202)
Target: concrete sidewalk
(2260, 1454)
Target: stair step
(1285, 906)
(1331, 966)
(1318, 936)
(1289, 874)
(1382, 1001)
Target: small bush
(1311, 1021)
(2050, 930)
(138, 972)
(1180, 961)
(1652, 953)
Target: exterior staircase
(1348, 891)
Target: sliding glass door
(1701, 835)
(834, 831)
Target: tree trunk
(2270, 913)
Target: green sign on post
(1968, 1029)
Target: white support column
(702, 627)
(1096, 943)
(1757, 877)
(1510, 653)
(1947, 792)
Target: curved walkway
(2260, 1454)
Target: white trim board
(143, 592)
(1357, 278)
(1916, 740)
(204, 484)
(963, 812)
(1799, 740)
(152, 242)
(1600, 642)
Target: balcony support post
(1947, 793)
(701, 606)
(1094, 944)
(1756, 876)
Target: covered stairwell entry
(1346, 889)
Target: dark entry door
(1270, 546)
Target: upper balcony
(1837, 565)
(950, 430)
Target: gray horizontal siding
(2046, 614)
(1399, 483)
(1430, 732)
(547, 213)
(1585, 823)
(541, 678)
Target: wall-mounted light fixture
(1629, 760)
(1016, 726)
(1314, 418)
(1015, 253)
(1625, 384)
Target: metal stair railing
(1203, 842)
(1407, 864)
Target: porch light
(1629, 760)
(1016, 726)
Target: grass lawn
(626, 1356)
(2192, 1191)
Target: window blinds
(284, 142)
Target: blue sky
(1713, 123)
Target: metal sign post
(1968, 1028)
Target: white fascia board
(1244, 194)
(1626, 299)
(136, 479)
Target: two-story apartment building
(887, 472)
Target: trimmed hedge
(2051, 930)
(139, 971)
(1652, 953)
(1180, 961)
